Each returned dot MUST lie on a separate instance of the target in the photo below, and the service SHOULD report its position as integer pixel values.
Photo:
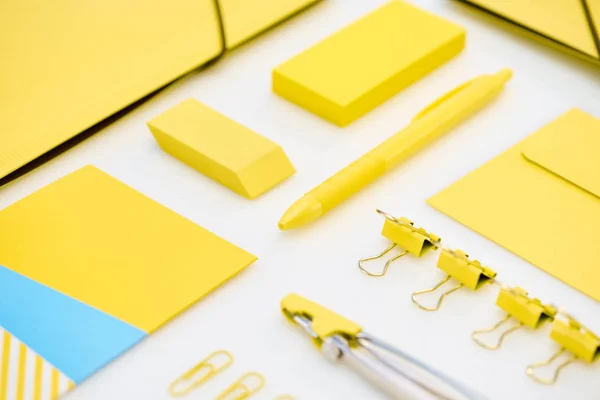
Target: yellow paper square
(101, 242)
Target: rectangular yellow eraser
(356, 69)
(220, 148)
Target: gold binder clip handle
(433, 289)
(554, 377)
(402, 233)
(247, 385)
(384, 271)
(572, 337)
(456, 264)
(475, 335)
(517, 304)
(204, 370)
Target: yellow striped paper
(24, 375)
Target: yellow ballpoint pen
(427, 126)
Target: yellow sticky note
(369, 61)
(220, 148)
(99, 241)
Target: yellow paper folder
(540, 199)
(571, 25)
(67, 65)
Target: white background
(319, 262)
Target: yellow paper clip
(527, 311)
(285, 397)
(402, 233)
(468, 273)
(247, 385)
(211, 365)
(573, 338)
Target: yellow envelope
(540, 199)
(67, 65)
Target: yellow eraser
(356, 69)
(220, 148)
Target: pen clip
(500, 77)
(442, 99)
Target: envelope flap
(570, 148)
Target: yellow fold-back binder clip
(213, 364)
(527, 311)
(246, 386)
(573, 338)
(402, 233)
(468, 273)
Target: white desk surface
(320, 262)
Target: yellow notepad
(540, 199)
(369, 61)
(67, 65)
(104, 244)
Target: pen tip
(302, 212)
(505, 74)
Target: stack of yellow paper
(361, 66)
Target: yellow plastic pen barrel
(430, 124)
(349, 181)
